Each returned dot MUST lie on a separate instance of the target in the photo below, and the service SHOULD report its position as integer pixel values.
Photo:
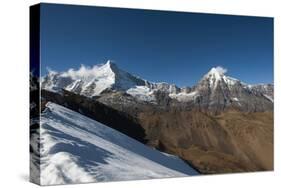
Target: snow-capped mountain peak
(88, 73)
(83, 80)
(91, 81)
(217, 75)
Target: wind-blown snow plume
(221, 69)
(82, 72)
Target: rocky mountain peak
(217, 77)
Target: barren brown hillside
(230, 142)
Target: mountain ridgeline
(215, 92)
(219, 125)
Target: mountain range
(214, 92)
(219, 125)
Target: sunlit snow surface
(76, 149)
(142, 93)
(184, 97)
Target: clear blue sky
(158, 46)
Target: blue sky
(172, 47)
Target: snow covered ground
(77, 149)
(142, 93)
(184, 97)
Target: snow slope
(184, 97)
(143, 93)
(77, 149)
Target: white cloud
(221, 69)
(82, 72)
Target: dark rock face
(227, 93)
(162, 98)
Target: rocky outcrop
(219, 93)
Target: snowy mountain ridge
(77, 149)
(100, 78)
(91, 81)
